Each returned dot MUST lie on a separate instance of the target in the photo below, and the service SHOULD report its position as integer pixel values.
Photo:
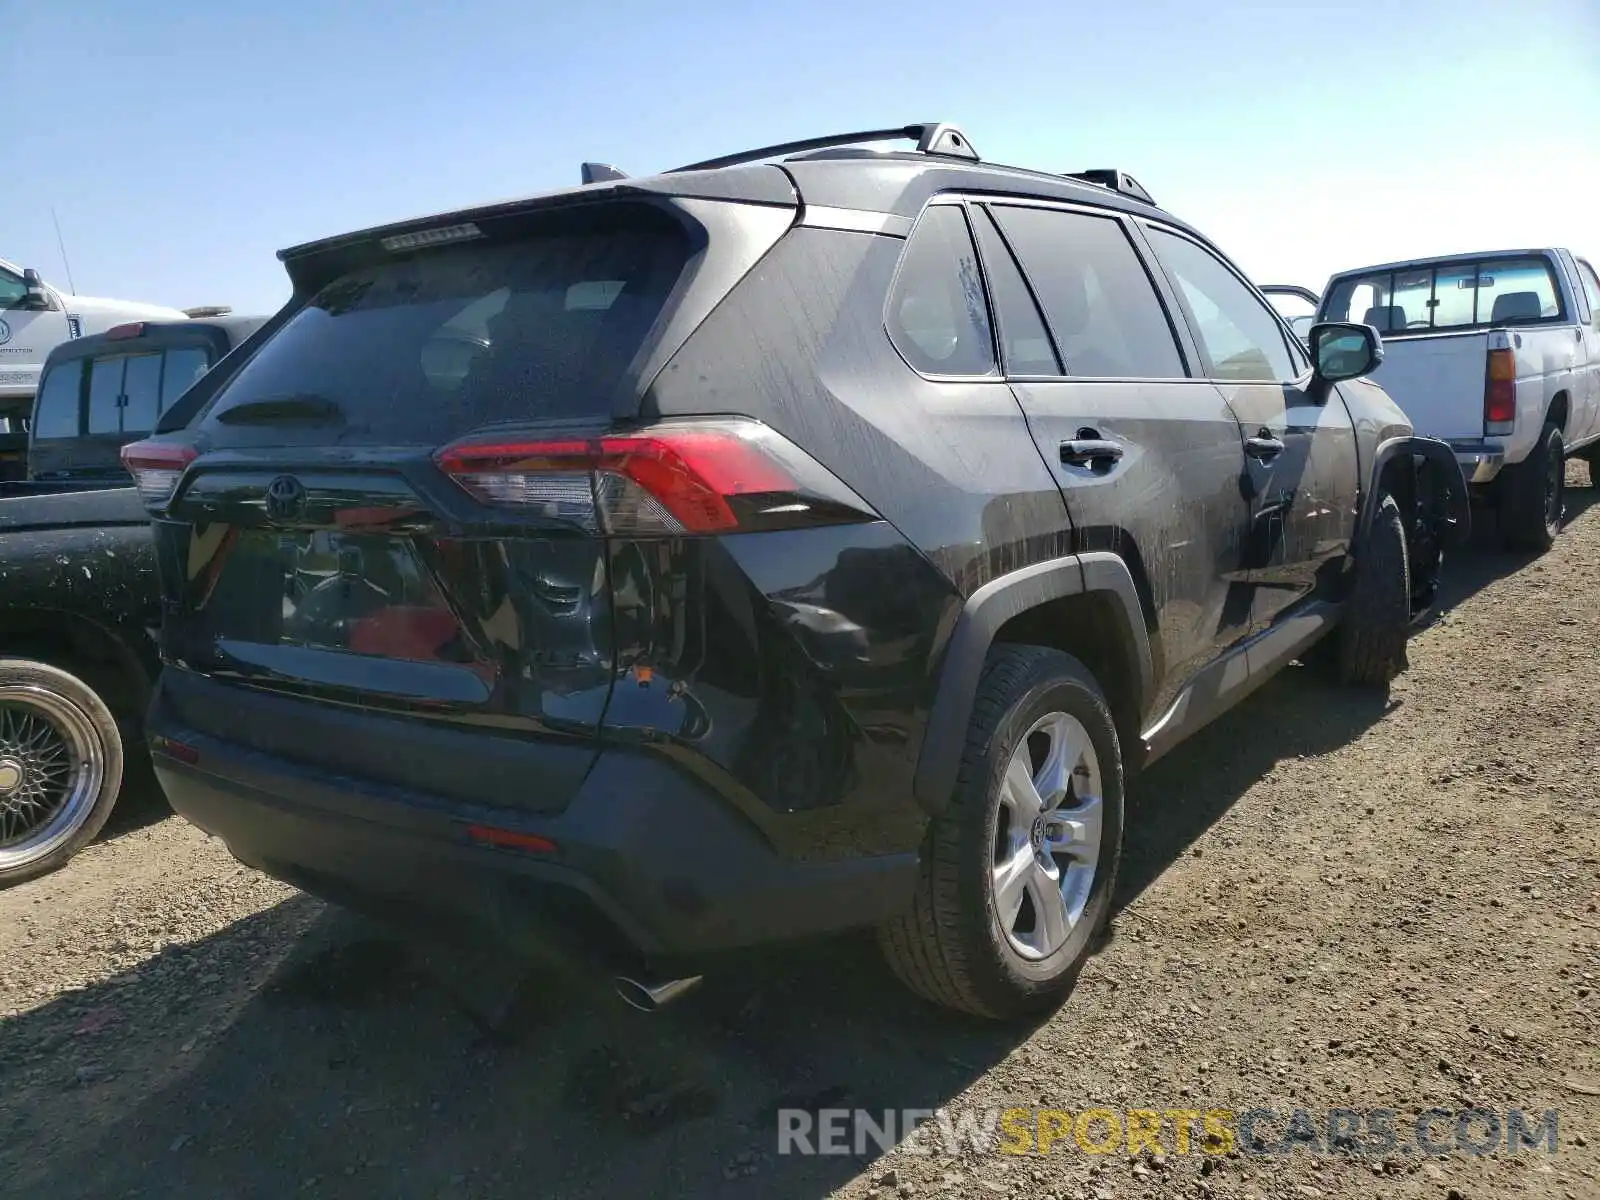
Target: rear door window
(938, 318)
(1025, 344)
(423, 347)
(1102, 308)
(57, 406)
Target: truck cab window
(12, 289)
(57, 408)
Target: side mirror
(37, 299)
(1344, 350)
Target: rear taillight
(683, 478)
(156, 468)
(1500, 392)
(131, 329)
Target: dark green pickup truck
(78, 594)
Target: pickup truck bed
(78, 602)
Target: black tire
(1532, 495)
(949, 947)
(1372, 634)
(37, 700)
(1594, 468)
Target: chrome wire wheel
(52, 771)
(1047, 837)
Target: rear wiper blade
(304, 406)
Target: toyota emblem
(286, 499)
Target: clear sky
(182, 144)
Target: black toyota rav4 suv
(809, 539)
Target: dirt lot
(1328, 902)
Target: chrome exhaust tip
(648, 997)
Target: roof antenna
(595, 172)
(62, 245)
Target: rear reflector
(685, 478)
(156, 468)
(1500, 391)
(510, 839)
(171, 749)
(119, 333)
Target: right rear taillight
(1500, 392)
(156, 468)
(690, 477)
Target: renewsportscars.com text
(1375, 1132)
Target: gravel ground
(1328, 902)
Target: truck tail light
(700, 477)
(130, 329)
(156, 468)
(1500, 392)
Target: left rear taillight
(692, 477)
(156, 468)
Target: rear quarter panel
(1547, 366)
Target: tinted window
(1240, 334)
(105, 392)
(141, 393)
(540, 324)
(184, 366)
(937, 315)
(1107, 319)
(1024, 343)
(1447, 295)
(57, 408)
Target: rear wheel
(1018, 872)
(1533, 495)
(1372, 634)
(60, 767)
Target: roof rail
(595, 172)
(931, 137)
(208, 310)
(1117, 181)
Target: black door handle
(1263, 447)
(1089, 452)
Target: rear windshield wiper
(302, 406)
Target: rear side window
(420, 349)
(1455, 295)
(1239, 332)
(1107, 319)
(57, 407)
(938, 318)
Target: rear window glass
(57, 409)
(1457, 295)
(426, 347)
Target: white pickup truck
(1497, 353)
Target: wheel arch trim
(983, 615)
(1442, 455)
